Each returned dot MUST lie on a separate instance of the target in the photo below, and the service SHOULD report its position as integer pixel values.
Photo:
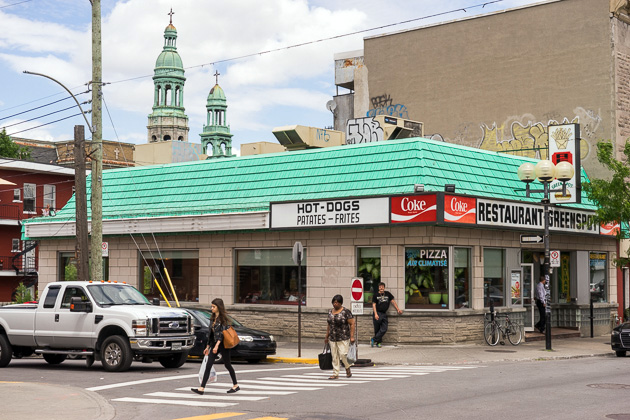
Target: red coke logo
(414, 209)
(460, 209)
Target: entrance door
(528, 295)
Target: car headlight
(615, 333)
(141, 327)
(246, 338)
(271, 338)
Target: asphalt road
(585, 388)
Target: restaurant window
(269, 276)
(182, 268)
(461, 274)
(426, 278)
(369, 268)
(599, 279)
(29, 198)
(68, 267)
(493, 276)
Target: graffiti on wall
(524, 137)
(383, 105)
(363, 130)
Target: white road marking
(281, 388)
(274, 382)
(175, 402)
(318, 380)
(373, 377)
(205, 397)
(242, 391)
(193, 375)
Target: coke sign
(460, 209)
(414, 208)
(609, 228)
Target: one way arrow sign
(531, 239)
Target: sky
(263, 90)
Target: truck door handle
(56, 317)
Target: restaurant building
(441, 224)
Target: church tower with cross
(216, 139)
(168, 122)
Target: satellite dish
(331, 106)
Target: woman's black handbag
(325, 358)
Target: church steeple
(168, 120)
(216, 132)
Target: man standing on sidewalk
(380, 305)
(540, 297)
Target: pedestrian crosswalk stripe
(215, 416)
(242, 391)
(174, 402)
(287, 388)
(206, 397)
(274, 382)
(372, 377)
(318, 379)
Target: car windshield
(116, 294)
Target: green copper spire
(216, 132)
(168, 120)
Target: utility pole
(97, 147)
(80, 197)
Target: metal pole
(547, 269)
(299, 256)
(96, 196)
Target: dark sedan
(254, 345)
(620, 339)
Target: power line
(42, 106)
(15, 4)
(48, 123)
(41, 116)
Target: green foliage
(8, 149)
(70, 272)
(22, 294)
(612, 195)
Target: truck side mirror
(156, 301)
(77, 304)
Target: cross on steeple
(171, 13)
(216, 74)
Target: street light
(546, 172)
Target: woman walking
(218, 324)
(340, 333)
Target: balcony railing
(16, 212)
(20, 265)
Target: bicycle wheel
(491, 333)
(514, 333)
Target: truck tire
(174, 361)
(6, 352)
(116, 354)
(54, 359)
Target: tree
(9, 149)
(612, 195)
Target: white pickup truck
(107, 321)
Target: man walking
(540, 297)
(380, 305)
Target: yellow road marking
(10, 382)
(213, 416)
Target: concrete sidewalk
(455, 354)
(35, 401)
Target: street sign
(554, 258)
(357, 308)
(356, 289)
(298, 253)
(105, 249)
(531, 239)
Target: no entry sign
(356, 288)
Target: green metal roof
(250, 183)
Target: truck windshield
(117, 294)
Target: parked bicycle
(494, 330)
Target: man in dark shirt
(380, 305)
